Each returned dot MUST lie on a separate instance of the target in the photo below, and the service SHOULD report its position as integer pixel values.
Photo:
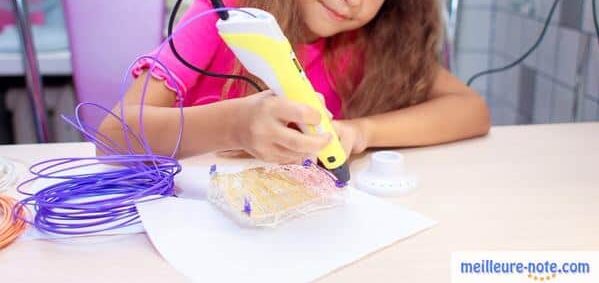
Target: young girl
(374, 61)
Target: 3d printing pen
(260, 45)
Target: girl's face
(326, 18)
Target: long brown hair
(388, 64)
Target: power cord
(595, 19)
(171, 43)
(530, 51)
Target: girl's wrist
(234, 122)
(363, 131)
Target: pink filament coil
(268, 196)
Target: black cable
(595, 20)
(171, 43)
(521, 59)
(224, 15)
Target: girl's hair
(388, 64)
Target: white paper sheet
(202, 243)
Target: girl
(374, 61)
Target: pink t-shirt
(200, 44)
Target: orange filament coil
(11, 227)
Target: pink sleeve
(197, 42)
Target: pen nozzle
(342, 173)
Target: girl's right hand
(262, 130)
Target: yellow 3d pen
(258, 42)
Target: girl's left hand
(352, 136)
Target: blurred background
(558, 83)
(82, 48)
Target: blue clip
(247, 206)
(307, 163)
(212, 169)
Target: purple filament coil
(87, 203)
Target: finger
(292, 112)
(321, 97)
(347, 147)
(290, 156)
(324, 102)
(346, 143)
(265, 93)
(301, 143)
(280, 155)
(285, 157)
(235, 153)
(289, 160)
(275, 153)
(337, 126)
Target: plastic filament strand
(11, 225)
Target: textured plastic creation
(268, 196)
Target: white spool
(386, 175)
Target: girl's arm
(257, 124)
(453, 112)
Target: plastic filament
(11, 225)
(90, 203)
(8, 174)
(268, 196)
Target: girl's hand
(234, 153)
(261, 129)
(352, 136)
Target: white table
(520, 188)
